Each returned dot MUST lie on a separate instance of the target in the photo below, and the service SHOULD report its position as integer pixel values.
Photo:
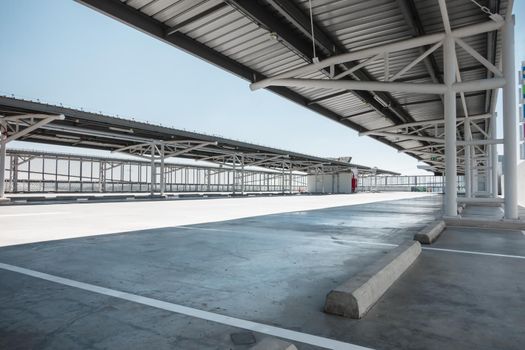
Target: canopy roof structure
(261, 40)
(420, 76)
(44, 123)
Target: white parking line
(332, 240)
(310, 339)
(35, 214)
(474, 253)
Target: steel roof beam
(404, 137)
(424, 122)
(423, 56)
(43, 120)
(474, 94)
(298, 18)
(401, 45)
(409, 10)
(263, 16)
(265, 160)
(138, 20)
(389, 102)
(431, 147)
(294, 14)
(424, 76)
(432, 100)
(337, 94)
(190, 149)
(479, 57)
(203, 14)
(473, 85)
(492, 41)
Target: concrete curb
(486, 223)
(356, 296)
(486, 202)
(430, 233)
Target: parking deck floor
(273, 271)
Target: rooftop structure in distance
(38, 122)
(258, 40)
(254, 267)
(420, 76)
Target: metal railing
(419, 183)
(35, 171)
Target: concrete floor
(272, 269)
(60, 221)
(494, 212)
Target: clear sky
(59, 51)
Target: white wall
(336, 183)
(521, 183)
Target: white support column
(290, 178)
(494, 156)
(475, 176)
(322, 179)
(242, 174)
(234, 174)
(282, 179)
(14, 175)
(162, 175)
(152, 179)
(510, 144)
(449, 73)
(488, 171)
(488, 174)
(100, 175)
(468, 161)
(316, 179)
(3, 151)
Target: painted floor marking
(475, 253)
(310, 339)
(34, 214)
(372, 243)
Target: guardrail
(415, 183)
(34, 172)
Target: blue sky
(59, 51)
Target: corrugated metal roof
(258, 39)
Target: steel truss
(451, 145)
(15, 127)
(32, 172)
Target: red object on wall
(354, 184)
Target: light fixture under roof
(129, 131)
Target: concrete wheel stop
(355, 297)
(430, 233)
